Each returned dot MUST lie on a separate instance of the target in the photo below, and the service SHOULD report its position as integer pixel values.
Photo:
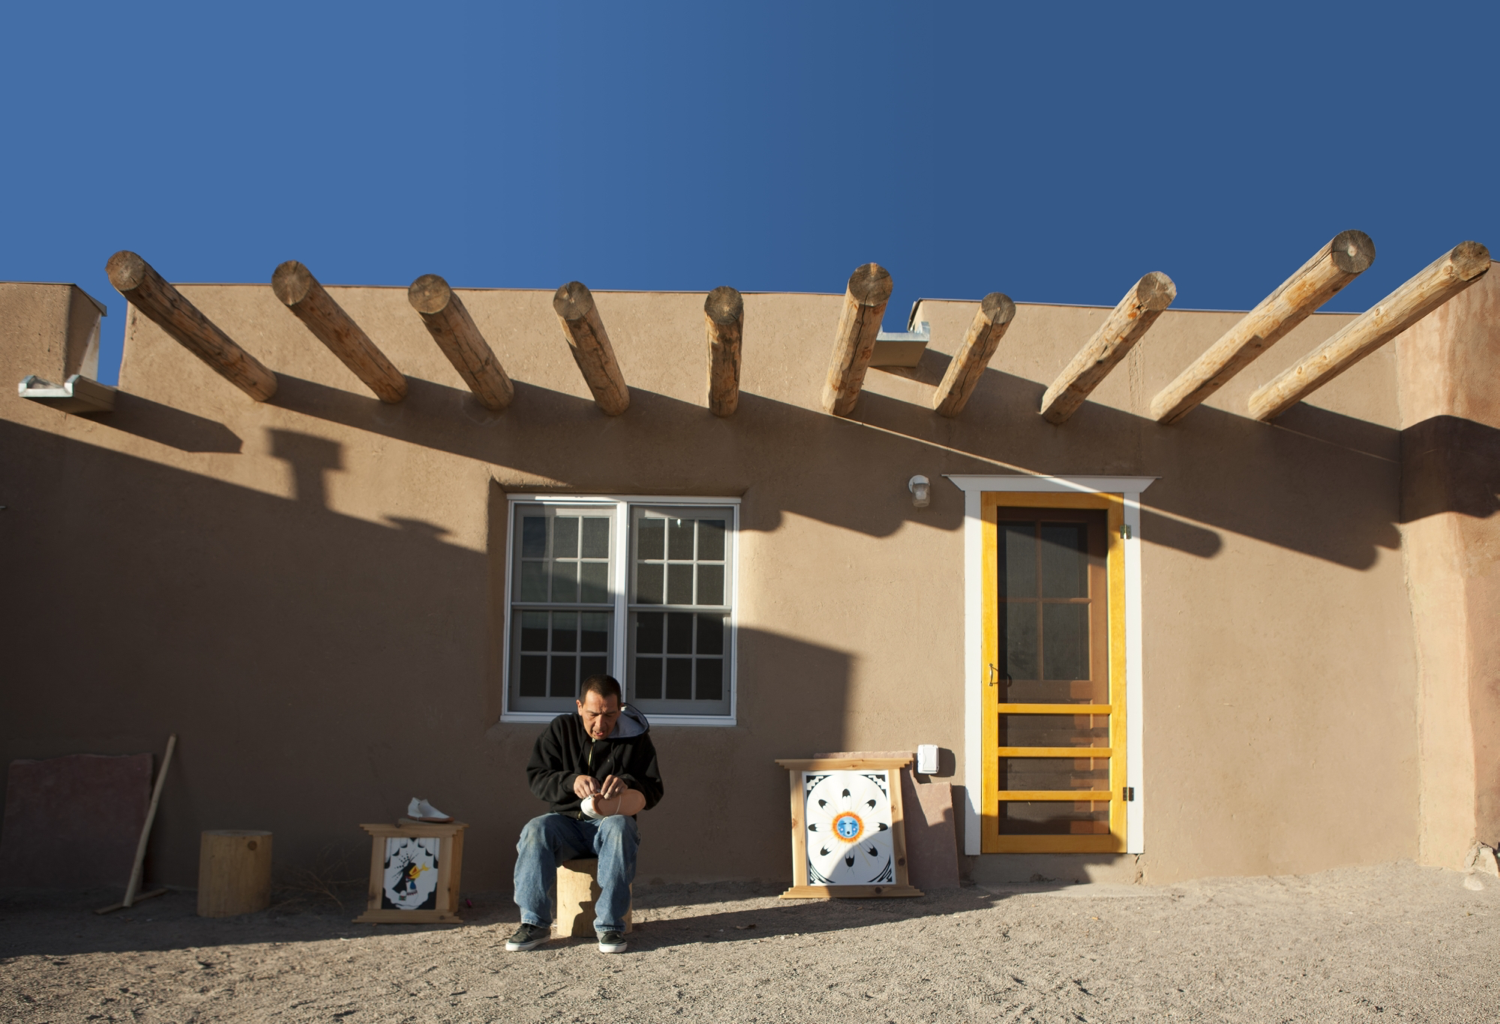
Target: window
(639, 588)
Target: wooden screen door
(1054, 670)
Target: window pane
(533, 675)
(565, 537)
(680, 538)
(710, 584)
(651, 538)
(593, 581)
(594, 632)
(1054, 731)
(533, 631)
(1018, 638)
(591, 665)
(565, 631)
(1017, 560)
(564, 676)
(647, 679)
(648, 632)
(679, 679)
(1065, 641)
(679, 633)
(564, 582)
(710, 679)
(1065, 560)
(679, 584)
(648, 584)
(596, 537)
(533, 537)
(710, 634)
(1054, 773)
(533, 581)
(711, 540)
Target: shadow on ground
(50, 923)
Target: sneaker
(528, 936)
(612, 942)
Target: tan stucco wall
(1451, 460)
(308, 591)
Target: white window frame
(619, 582)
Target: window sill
(692, 721)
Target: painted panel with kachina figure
(411, 874)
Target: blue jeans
(553, 838)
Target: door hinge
(1125, 532)
(1128, 794)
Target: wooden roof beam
(868, 291)
(1343, 259)
(1450, 274)
(589, 343)
(1125, 325)
(724, 311)
(451, 326)
(301, 293)
(990, 323)
(145, 289)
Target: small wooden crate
(401, 858)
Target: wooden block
(577, 899)
(234, 872)
(74, 821)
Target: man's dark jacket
(565, 751)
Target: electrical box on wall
(927, 759)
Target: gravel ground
(1394, 942)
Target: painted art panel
(848, 816)
(411, 873)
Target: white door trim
(1129, 488)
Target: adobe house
(1186, 593)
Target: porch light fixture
(921, 491)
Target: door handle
(993, 674)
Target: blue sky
(1053, 152)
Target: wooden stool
(234, 872)
(577, 894)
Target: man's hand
(612, 787)
(585, 786)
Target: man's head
(599, 705)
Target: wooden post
(589, 343)
(234, 872)
(1125, 326)
(453, 329)
(864, 305)
(1454, 271)
(1343, 259)
(296, 287)
(990, 323)
(135, 279)
(724, 309)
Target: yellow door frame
(991, 839)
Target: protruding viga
(865, 297)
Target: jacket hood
(631, 723)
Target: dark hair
(604, 686)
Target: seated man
(597, 769)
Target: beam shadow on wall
(1317, 482)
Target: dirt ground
(1395, 942)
